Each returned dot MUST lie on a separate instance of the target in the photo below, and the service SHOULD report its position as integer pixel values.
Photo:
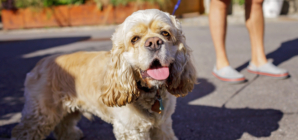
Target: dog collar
(158, 105)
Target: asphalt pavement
(262, 108)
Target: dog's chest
(146, 100)
(152, 101)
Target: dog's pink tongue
(160, 73)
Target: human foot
(228, 74)
(268, 69)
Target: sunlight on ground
(10, 118)
(77, 46)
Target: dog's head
(148, 49)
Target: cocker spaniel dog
(133, 86)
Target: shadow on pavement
(286, 51)
(189, 121)
(199, 122)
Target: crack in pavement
(239, 90)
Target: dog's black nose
(154, 43)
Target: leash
(176, 6)
(158, 105)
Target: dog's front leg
(163, 132)
(124, 132)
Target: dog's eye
(165, 33)
(135, 39)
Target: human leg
(255, 25)
(218, 25)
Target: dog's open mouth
(156, 71)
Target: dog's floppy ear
(182, 73)
(120, 86)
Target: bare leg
(218, 26)
(255, 25)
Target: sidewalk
(263, 108)
(202, 20)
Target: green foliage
(45, 3)
(125, 2)
(120, 2)
(162, 3)
(27, 3)
(240, 2)
(48, 3)
(100, 3)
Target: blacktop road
(262, 108)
